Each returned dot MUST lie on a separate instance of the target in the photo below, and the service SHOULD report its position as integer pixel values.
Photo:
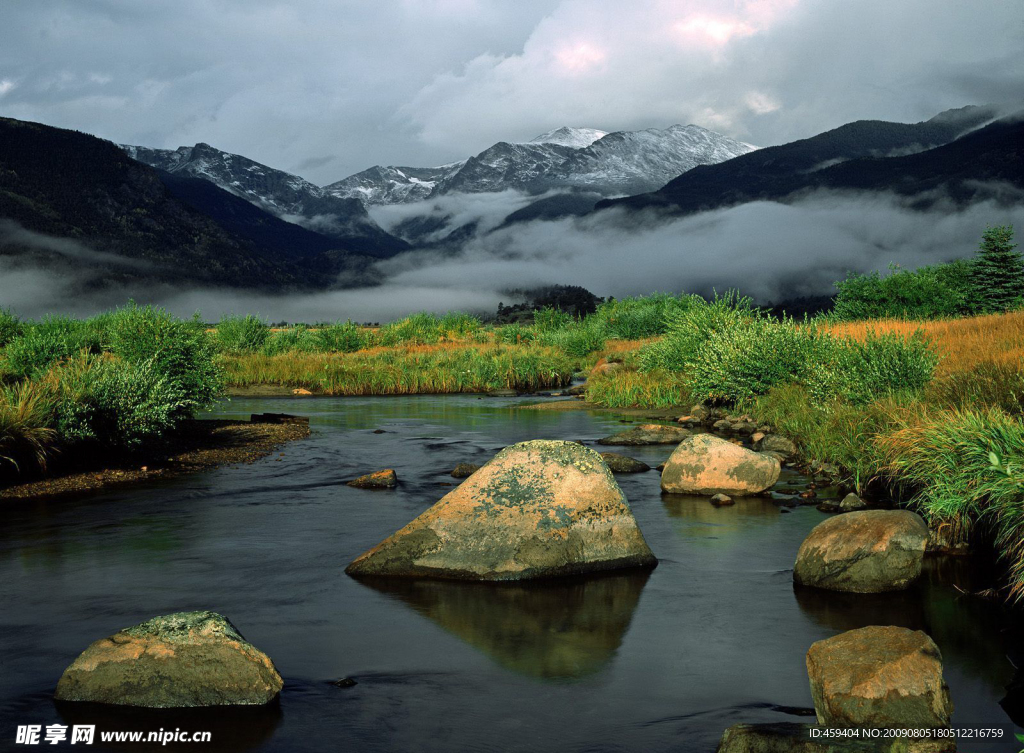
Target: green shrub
(242, 334)
(640, 317)
(181, 350)
(27, 436)
(117, 404)
(10, 327)
(749, 357)
(340, 337)
(578, 339)
(934, 292)
(516, 334)
(297, 339)
(550, 319)
(52, 339)
(881, 365)
(689, 327)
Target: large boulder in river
(646, 434)
(869, 551)
(706, 464)
(178, 660)
(879, 677)
(537, 509)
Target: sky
(327, 88)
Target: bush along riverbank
(112, 385)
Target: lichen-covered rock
(645, 434)
(869, 551)
(538, 509)
(464, 470)
(185, 659)
(706, 464)
(775, 443)
(622, 464)
(851, 503)
(788, 737)
(879, 677)
(385, 479)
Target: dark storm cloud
(428, 82)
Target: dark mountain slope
(71, 186)
(278, 193)
(780, 170)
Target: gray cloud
(428, 82)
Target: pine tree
(998, 271)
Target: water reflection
(232, 729)
(559, 630)
(698, 519)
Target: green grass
(408, 370)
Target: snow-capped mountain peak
(577, 138)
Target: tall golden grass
(964, 344)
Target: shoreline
(203, 444)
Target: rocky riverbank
(201, 445)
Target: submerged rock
(645, 434)
(177, 660)
(464, 470)
(869, 551)
(538, 509)
(385, 479)
(706, 464)
(879, 677)
(622, 464)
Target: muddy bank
(201, 445)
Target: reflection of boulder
(551, 630)
(538, 509)
(745, 512)
(232, 729)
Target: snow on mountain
(282, 194)
(391, 185)
(629, 162)
(577, 138)
(610, 164)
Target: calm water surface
(655, 662)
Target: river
(663, 661)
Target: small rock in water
(852, 502)
(301, 391)
(464, 470)
(756, 437)
(385, 479)
(379, 431)
(579, 389)
(645, 434)
(344, 682)
(502, 393)
(722, 500)
(743, 428)
(622, 464)
(721, 425)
